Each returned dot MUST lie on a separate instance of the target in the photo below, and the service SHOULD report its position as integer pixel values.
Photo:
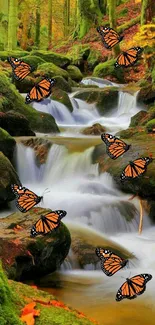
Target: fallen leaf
(28, 319)
(16, 241)
(18, 228)
(28, 313)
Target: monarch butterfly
(40, 91)
(48, 222)
(25, 199)
(109, 36)
(133, 287)
(20, 68)
(110, 262)
(136, 168)
(128, 58)
(114, 146)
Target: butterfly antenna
(45, 191)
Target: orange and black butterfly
(20, 68)
(110, 262)
(25, 199)
(133, 287)
(136, 168)
(48, 223)
(115, 147)
(109, 36)
(40, 91)
(128, 58)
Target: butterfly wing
(40, 91)
(115, 147)
(128, 58)
(25, 198)
(109, 36)
(133, 287)
(48, 223)
(136, 168)
(20, 68)
(110, 262)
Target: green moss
(16, 54)
(62, 97)
(74, 73)
(7, 143)
(8, 309)
(48, 56)
(123, 12)
(51, 70)
(79, 53)
(12, 100)
(129, 24)
(107, 68)
(150, 125)
(153, 74)
(138, 118)
(94, 59)
(33, 60)
(61, 83)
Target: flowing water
(92, 201)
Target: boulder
(74, 73)
(78, 54)
(150, 126)
(62, 84)
(50, 70)
(15, 123)
(34, 60)
(95, 129)
(138, 118)
(41, 148)
(7, 143)
(26, 85)
(29, 257)
(107, 69)
(146, 95)
(94, 59)
(8, 176)
(16, 54)
(62, 97)
(10, 99)
(58, 59)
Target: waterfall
(101, 83)
(76, 186)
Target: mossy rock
(8, 174)
(26, 85)
(34, 61)
(50, 70)
(7, 143)
(138, 118)
(62, 84)
(47, 252)
(146, 95)
(15, 123)
(141, 145)
(107, 68)
(74, 73)
(95, 129)
(78, 54)
(10, 99)
(16, 54)
(130, 132)
(150, 126)
(55, 58)
(105, 100)
(62, 97)
(9, 314)
(94, 59)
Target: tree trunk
(3, 24)
(66, 17)
(89, 14)
(50, 7)
(12, 25)
(37, 38)
(113, 23)
(103, 6)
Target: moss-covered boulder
(150, 126)
(94, 59)
(7, 143)
(15, 123)
(26, 85)
(142, 145)
(105, 99)
(138, 118)
(8, 176)
(74, 73)
(62, 97)
(107, 69)
(146, 95)
(62, 84)
(51, 57)
(16, 54)
(29, 257)
(78, 54)
(34, 60)
(50, 70)
(95, 129)
(10, 99)
(9, 313)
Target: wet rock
(62, 84)
(8, 176)
(28, 257)
(62, 97)
(7, 143)
(15, 123)
(95, 129)
(146, 95)
(74, 73)
(107, 69)
(41, 148)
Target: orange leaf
(28, 313)
(28, 319)
(18, 228)
(16, 241)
